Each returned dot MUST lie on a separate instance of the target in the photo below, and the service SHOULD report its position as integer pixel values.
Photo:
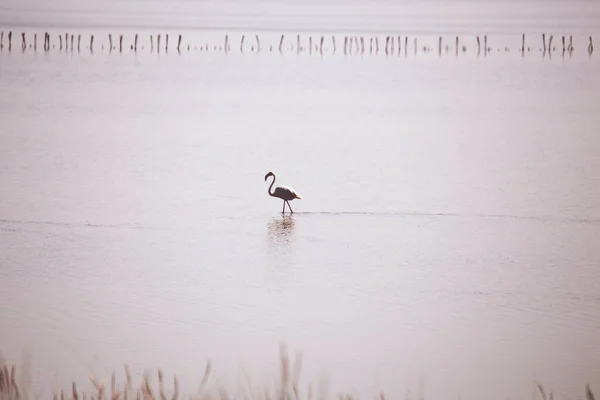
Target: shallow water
(445, 244)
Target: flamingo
(283, 192)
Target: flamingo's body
(283, 192)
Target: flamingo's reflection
(281, 229)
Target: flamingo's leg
(290, 207)
(283, 211)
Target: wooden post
(544, 42)
(226, 43)
(110, 41)
(457, 45)
(2, 40)
(167, 42)
(9, 40)
(405, 44)
(241, 43)
(151, 43)
(550, 44)
(362, 44)
(387, 42)
(135, 42)
(310, 45)
(591, 46)
(23, 42)
(66, 41)
(415, 43)
(334, 45)
(281, 42)
(179, 43)
(120, 43)
(346, 45)
(91, 43)
(321, 44)
(60, 39)
(563, 44)
(478, 45)
(258, 48)
(523, 44)
(399, 44)
(35, 42)
(376, 44)
(570, 43)
(440, 46)
(72, 37)
(158, 43)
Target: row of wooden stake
(350, 43)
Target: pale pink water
(446, 242)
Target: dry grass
(589, 395)
(9, 389)
(288, 387)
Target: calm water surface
(445, 245)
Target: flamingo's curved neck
(270, 187)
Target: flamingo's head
(268, 175)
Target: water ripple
(538, 218)
(74, 225)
